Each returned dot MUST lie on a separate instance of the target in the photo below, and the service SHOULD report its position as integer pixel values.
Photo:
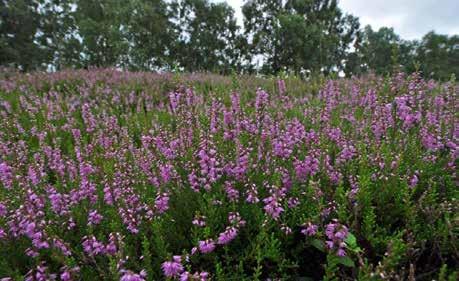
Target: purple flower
(272, 207)
(187, 276)
(261, 99)
(62, 247)
(65, 276)
(252, 195)
(6, 175)
(413, 181)
(235, 219)
(94, 218)
(33, 176)
(281, 86)
(166, 172)
(131, 276)
(341, 252)
(199, 221)
(336, 234)
(231, 192)
(172, 268)
(162, 203)
(293, 202)
(3, 210)
(206, 246)
(310, 230)
(227, 236)
(93, 247)
(114, 240)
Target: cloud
(409, 18)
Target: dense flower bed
(108, 175)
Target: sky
(411, 19)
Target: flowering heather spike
(93, 247)
(231, 192)
(172, 268)
(273, 207)
(227, 236)
(94, 218)
(162, 203)
(281, 86)
(252, 195)
(199, 221)
(261, 99)
(310, 229)
(6, 175)
(3, 210)
(206, 246)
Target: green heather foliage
(110, 175)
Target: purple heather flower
(3, 210)
(199, 221)
(293, 202)
(6, 175)
(94, 218)
(62, 247)
(131, 276)
(172, 268)
(310, 230)
(235, 219)
(206, 246)
(336, 234)
(281, 86)
(65, 276)
(162, 203)
(33, 176)
(272, 207)
(413, 181)
(227, 236)
(341, 252)
(93, 247)
(252, 195)
(261, 99)
(194, 250)
(231, 192)
(187, 276)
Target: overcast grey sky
(411, 19)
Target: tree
(439, 55)
(378, 49)
(261, 23)
(151, 33)
(407, 55)
(296, 35)
(21, 35)
(100, 32)
(208, 36)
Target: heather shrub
(109, 175)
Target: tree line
(300, 36)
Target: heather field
(110, 175)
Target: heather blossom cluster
(336, 234)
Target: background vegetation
(304, 37)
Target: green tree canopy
(298, 35)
